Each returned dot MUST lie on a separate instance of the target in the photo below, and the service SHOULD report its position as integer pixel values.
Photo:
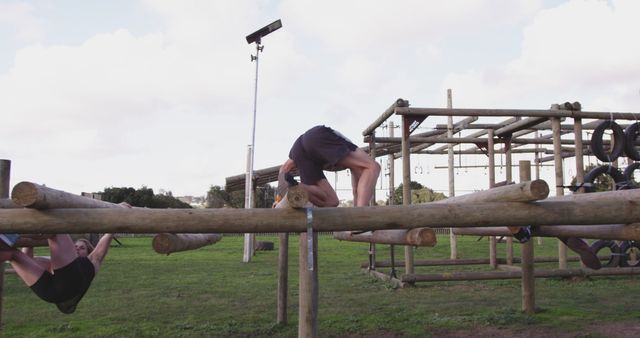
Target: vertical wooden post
(557, 156)
(577, 130)
(406, 187)
(5, 175)
(452, 190)
(283, 278)
(392, 190)
(372, 202)
(509, 173)
(528, 277)
(308, 289)
(493, 261)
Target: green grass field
(211, 293)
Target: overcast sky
(95, 94)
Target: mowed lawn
(210, 293)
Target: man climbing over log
(322, 148)
(578, 245)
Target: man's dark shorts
(66, 286)
(318, 149)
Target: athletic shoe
(523, 235)
(582, 248)
(9, 239)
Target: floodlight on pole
(248, 183)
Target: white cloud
(580, 50)
(19, 16)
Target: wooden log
(26, 242)
(395, 283)
(385, 115)
(297, 197)
(466, 261)
(519, 192)
(5, 178)
(528, 290)
(308, 287)
(283, 270)
(32, 195)
(620, 232)
(7, 203)
(406, 111)
(414, 237)
(610, 207)
(166, 243)
(498, 275)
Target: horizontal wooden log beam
(611, 207)
(32, 195)
(621, 232)
(491, 275)
(414, 237)
(467, 261)
(514, 112)
(166, 243)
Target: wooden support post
(453, 241)
(509, 178)
(296, 197)
(406, 186)
(308, 289)
(557, 156)
(528, 277)
(5, 175)
(577, 131)
(283, 278)
(166, 243)
(492, 182)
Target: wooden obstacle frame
(619, 207)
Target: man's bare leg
(366, 170)
(321, 194)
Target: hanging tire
(613, 172)
(628, 173)
(612, 246)
(597, 147)
(631, 133)
(630, 254)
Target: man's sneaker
(285, 180)
(9, 239)
(587, 256)
(523, 235)
(289, 178)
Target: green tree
(218, 197)
(419, 194)
(143, 197)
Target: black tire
(630, 254)
(597, 147)
(264, 246)
(614, 258)
(631, 133)
(628, 173)
(591, 176)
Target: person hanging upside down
(322, 148)
(64, 278)
(578, 245)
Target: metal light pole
(248, 183)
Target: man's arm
(98, 254)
